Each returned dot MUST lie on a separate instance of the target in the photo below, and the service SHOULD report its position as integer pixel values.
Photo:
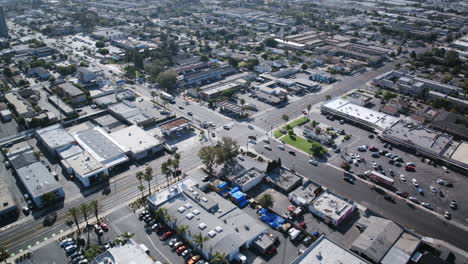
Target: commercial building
(453, 100)
(174, 125)
(108, 34)
(413, 85)
(71, 92)
(212, 74)
(37, 181)
(101, 146)
(127, 112)
(54, 138)
(249, 179)
(305, 194)
(358, 114)
(85, 75)
(228, 227)
(218, 90)
(322, 77)
(20, 107)
(403, 249)
(284, 180)
(130, 253)
(332, 208)
(324, 251)
(38, 72)
(377, 239)
(451, 123)
(84, 166)
(137, 142)
(63, 107)
(427, 142)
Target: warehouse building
(54, 138)
(137, 142)
(332, 208)
(37, 181)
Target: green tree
(251, 63)
(208, 156)
(166, 170)
(199, 239)
(4, 255)
(140, 176)
(182, 230)
(308, 109)
(49, 198)
(266, 200)
(389, 95)
(304, 66)
(103, 51)
(317, 149)
(84, 209)
(233, 62)
(95, 206)
(219, 258)
(176, 165)
(229, 149)
(327, 97)
(167, 79)
(100, 44)
(148, 176)
(126, 236)
(73, 213)
(270, 42)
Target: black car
(252, 137)
(348, 179)
(389, 198)
(292, 152)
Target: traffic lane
(417, 219)
(21, 236)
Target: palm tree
(199, 239)
(242, 102)
(84, 209)
(266, 201)
(4, 254)
(126, 236)
(94, 204)
(166, 170)
(175, 165)
(148, 176)
(73, 213)
(140, 175)
(161, 212)
(181, 230)
(308, 109)
(219, 258)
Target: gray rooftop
(23, 159)
(55, 136)
(70, 89)
(37, 179)
(99, 143)
(378, 238)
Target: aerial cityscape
(234, 131)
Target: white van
(145, 249)
(445, 169)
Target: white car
(351, 155)
(388, 155)
(374, 165)
(441, 182)
(447, 215)
(267, 147)
(415, 182)
(413, 199)
(240, 157)
(355, 162)
(453, 204)
(281, 147)
(402, 177)
(266, 140)
(358, 157)
(432, 189)
(445, 169)
(427, 205)
(313, 162)
(252, 141)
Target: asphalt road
(416, 219)
(124, 188)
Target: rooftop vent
(212, 233)
(181, 209)
(188, 206)
(202, 226)
(196, 212)
(189, 216)
(219, 229)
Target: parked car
(181, 249)
(186, 252)
(402, 177)
(70, 249)
(166, 235)
(389, 198)
(65, 241)
(427, 205)
(104, 227)
(413, 199)
(447, 215)
(177, 245)
(313, 162)
(173, 241)
(267, 147)
(453, 204)
(415, 182)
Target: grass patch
(299, 122)
(278, 133)
(298, 142)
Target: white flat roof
(55, 136)
(135, 139)
(382, 120)
(84, 164)
(331, 205)
(323, 251)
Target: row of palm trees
(170, 168)
(198, 239)
(86, 210)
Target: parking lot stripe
(151, 241)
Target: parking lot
(425, 174)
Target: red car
(271, 251)
(303, 225)
(373, 149)
(181, 249)
(410, 168)
(104, 227)
(167, 235)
